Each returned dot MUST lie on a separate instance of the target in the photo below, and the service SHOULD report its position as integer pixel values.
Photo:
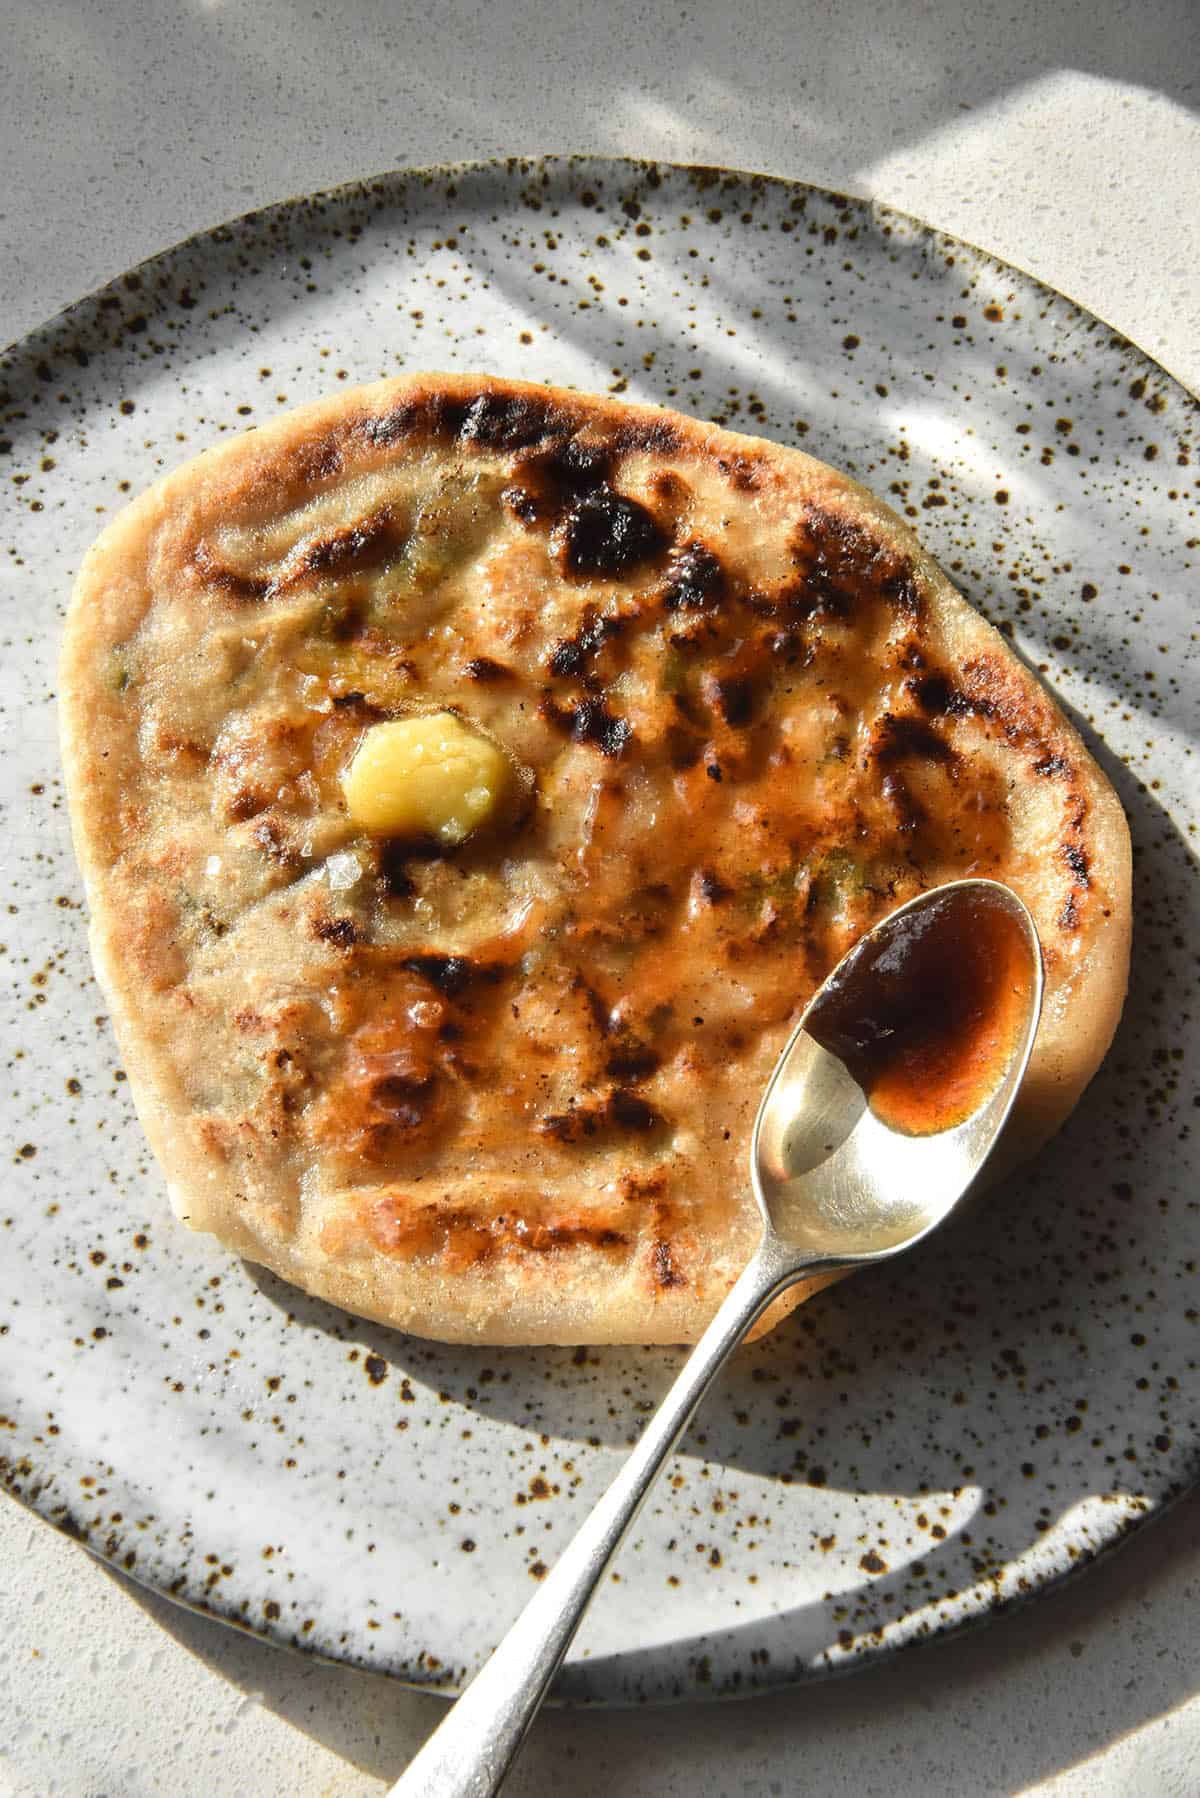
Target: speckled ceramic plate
(910, 1451)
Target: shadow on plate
(1026, 1683)
(1028, 1360)
(1033, 1356)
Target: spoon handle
(470, 1752)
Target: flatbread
(503, 1093)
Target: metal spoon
(838, 1189)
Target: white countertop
(1065, 138)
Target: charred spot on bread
(452, 975)
(695, 579)
(486, 670)
(339, 933)
(392, 859)
(621, 1111)
(665, 1269)
(733, 697)
(934, 693)
(572, 656)
(589, 721)
(632, 1060)
(606, 533)
(629, 1111)
(902, 737)
(365, 544)
(713, 890)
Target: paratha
(500, 1089)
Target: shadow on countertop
(1035, 1693)
(306, 99)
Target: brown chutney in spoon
(924, 1015)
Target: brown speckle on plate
(973, 1423)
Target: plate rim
(567, 159)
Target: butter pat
(426, 776)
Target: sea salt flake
(343, 872)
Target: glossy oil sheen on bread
(500, 1088)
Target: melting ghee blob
(427, 776)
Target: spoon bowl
(880, 1114)
(833, 1176)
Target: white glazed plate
(909, 1452)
